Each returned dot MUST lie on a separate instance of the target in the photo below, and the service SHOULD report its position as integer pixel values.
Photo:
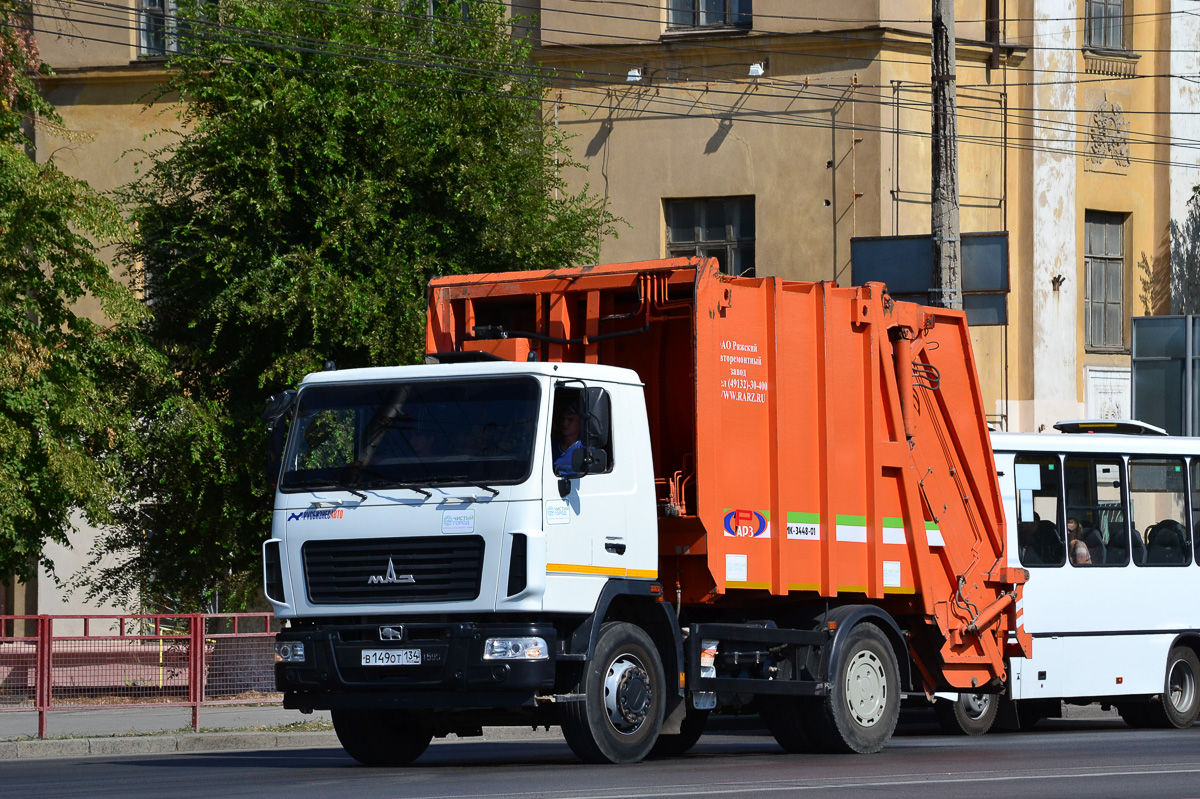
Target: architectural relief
(1108, 135)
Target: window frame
(735, 15)
(736, 243)
(1093, 460)
(1055, 461)
(1102, 26)
(573, 388)
(170, 23)
(1095, 308)
(1185, 492)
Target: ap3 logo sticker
(747, 523)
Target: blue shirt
(562, 461)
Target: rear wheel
(1179, 704)
(383, 737)
(861, 710)
(689, 733)
(970, 714)
(788, 719)
(1135, 714)
(623, 690)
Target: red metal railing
(57, 662)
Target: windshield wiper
(356, 471)
(384, 482)
(327, 484)
(462, 481)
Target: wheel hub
(976, 705)
(627, 694)
(866, 688)
(1181, 686)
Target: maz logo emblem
(390, 577)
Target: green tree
(64, 378)
(334, 159)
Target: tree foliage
(334, 159)
(64, 378)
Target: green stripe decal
(893, 521)
(804, 518)
(852, 521)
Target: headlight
(290, 652)
(515, 649)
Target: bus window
(1158, 508)
(1195, 466)
(1039, 517)
(1097, 534)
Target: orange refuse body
(809, 441)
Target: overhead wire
(1034, 122)
(715, 111)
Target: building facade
(770, 134)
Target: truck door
(587, 524)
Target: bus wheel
(1135, 714)
(1180, 702)
(788, 718)
(689, 733)
(861, 710)
(623, 690)
(382, 737)
(970, 714)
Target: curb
(193, 743)
(165, 744)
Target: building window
(161, 28)
(713, 227)
(709, 13)
(1104, 264)
(1106, 24)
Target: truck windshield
(415, 434)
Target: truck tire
(383, 737)
(861, 710)
(689, 733)
(1179, 704)
(623, 697)
(970, 714)
(788, 719)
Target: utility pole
(947, 272)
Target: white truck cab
(436, 544)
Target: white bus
(1106, 523)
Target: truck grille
(435, 569)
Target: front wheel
(861, 710)
(383, 737)
(1179, 704)
(622, 691)
(970, 714)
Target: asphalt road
(1091, 759)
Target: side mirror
(589, 460)
(596, 414)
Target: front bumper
(452, 672)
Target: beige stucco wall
(100, 90)
(833, 142)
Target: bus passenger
(1080, 554)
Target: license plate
(391, 657)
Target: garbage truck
(620, 498)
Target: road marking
(832, 783)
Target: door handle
(614, 547)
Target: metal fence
(57, 662)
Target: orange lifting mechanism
(810, 442)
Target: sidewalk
(160, 730)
